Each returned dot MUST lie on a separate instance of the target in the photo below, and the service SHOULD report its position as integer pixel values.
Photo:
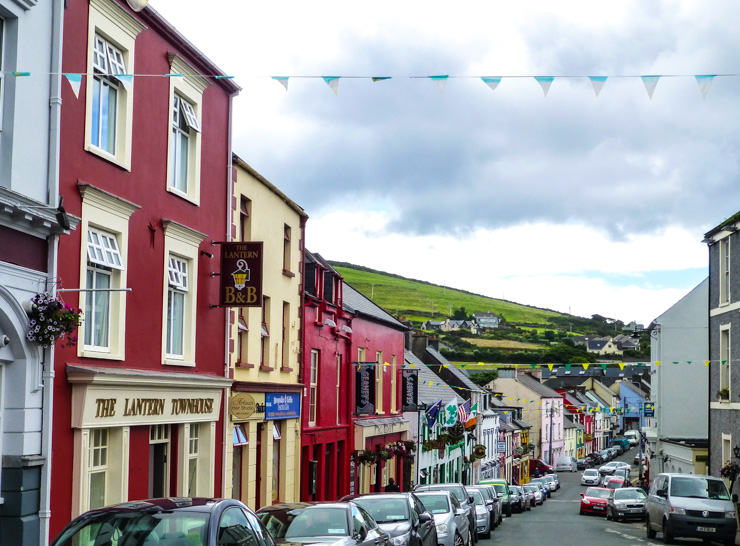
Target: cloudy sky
(567, 201)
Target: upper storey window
(108, 63)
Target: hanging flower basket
(367, 457)
(731, 470)
(724, 394)
(383, 454)
(50, 320)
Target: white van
(566, 464)
(633, 436)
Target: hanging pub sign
(410, 390)
(365, 387)
(241, 274)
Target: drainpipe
(55, 105)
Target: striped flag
(463, 411)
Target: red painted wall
(145, 185)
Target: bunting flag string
(650, 82)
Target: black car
(596, 459)
(402, 515)
(345, 523)
(168, 522)
(583, 464)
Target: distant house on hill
(602, 346)
(626, 343)
(487, 320)
(435, 325)
(462, 324)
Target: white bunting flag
(650, 83)
(282, 80)
(545, 82)
(704, 83)
(492, 82)
(75, 80)
(333, 82)
(441, 82)
(598, 83)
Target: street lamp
(736, 451)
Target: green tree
(460, 314)
(483, 378)
(549, 335)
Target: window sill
(173, 362)
(126, 165)
(285, 369)
(92, 353)
(244, 365)
(183, 195)
(288, 273)
(266, 368)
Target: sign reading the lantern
(365, 388)
(241, 274)
(410, 390)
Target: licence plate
(598, 508)
(707, 529)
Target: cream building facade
(265, 348)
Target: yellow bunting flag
(657, 363)
(621, 365)
(550, 366)
(707, 362)
(585, 366)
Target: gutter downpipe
(55, 105)
(227, 312)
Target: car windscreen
(699, 488)
(629, 494)
(456, 490)
(598, 493)
(309, 522)
(484, 491)
(436, 504)
(477, 497)
(500, 488)
(136, 528)
(384, 509)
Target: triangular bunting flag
(657, 363)
(491, 81)
(567, 367)
(441, 82)
(282, 80)
(126, 79)
(534, 366)
(706, 362)
(550, 366)
(380, 78)
(586, 365)
(704, 83)
(621, 365)
(545, 82)
(333, 82)
(603, 366)
(675, 362)
(688, 361)
(598, 83)
(75, 80)
(650, 83)
(724, 362)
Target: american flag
(463, 411)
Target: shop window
(192, 463)
(379, 371)
(276, 437)
(98, 468)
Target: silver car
(449, 517)
(553, 479)
(628, 502)
(494, 503)
(482, 515)
(536, 491)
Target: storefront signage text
(106, 407)
(410, 392)
(282, 406)
(241, 274)
(364, 388)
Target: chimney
(419, 343)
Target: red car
(593, 501)
(615, 483)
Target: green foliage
(483, 378)
(460, 314)
(549, 335)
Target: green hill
(415, 300)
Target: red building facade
(342, 328)
(146, 164)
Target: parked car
(541, 466)
(544, 488)
(619, 448)
(502, 490)
(549, 486)
(596, 459)
(566, 464)
(463, 497)
(609, 468)
(453, 528)
(687, 505)
(636, 460)
(517, 498)
(615, 483)
(606, 455)
(553, 479)
(624, 442)
(482, 515)
(492, 501)
(345, 523)
(203, 521)
(401, 515)
(590, 476)
(583, 463)
(623, 473)
(614, 450)
(537, 496)
(593, 501)
(629, 502)
(632, 436)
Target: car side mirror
(361, 534)
(424, 517)
(581, 495)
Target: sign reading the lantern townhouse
(282, 405)
(410, 390)
(241, 274)
(365, 387)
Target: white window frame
(313, 386)
(111, 23)
(177, 272)
(106, 216)
(108, 62)
(116, 471)
(205, 459)
(725, 352)
(181, 242)
(379, 371)
(186, 112)
(91, 317)
(394, 386)
(724, 271)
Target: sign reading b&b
(241, 274)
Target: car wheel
(459, 541)
(650, 531)
(508, 511)
(581, 512)
(608, 514)
(667, 535)
(471, 538)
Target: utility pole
(552, 410)
(639, 431)
(372, 292)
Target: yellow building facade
(264, 424)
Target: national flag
(472, 417)
(450, 416)
(463, 412)
(433, 412)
